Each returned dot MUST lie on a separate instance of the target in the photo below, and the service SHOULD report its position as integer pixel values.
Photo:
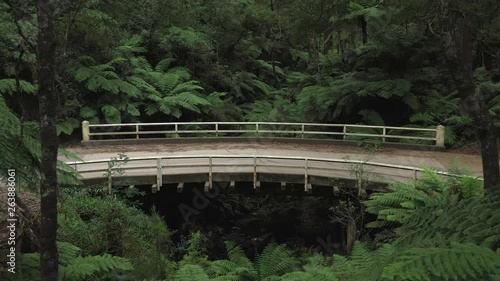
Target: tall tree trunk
(364, 29)
(460, 64)
(47, 101)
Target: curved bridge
(289, 157)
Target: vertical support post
(85, 130)
(257, 129)
(306, 176)
(345, 131)
(414, 177)
(159, 174)
(110, 183)
(303, 129)
(383, 134)
(255, 172)
(137, 131)
(216, 129)
(440, 132)
(210, 183)
(176, 130)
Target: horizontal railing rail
(305, 165)
(345, 131)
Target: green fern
(191, 272)
(275, 260)
(8, 86)
(72, 266)
(456, 262)
(19, 142)
(90, 267)
(237, 256)
(363, 264)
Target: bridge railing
(342, 131)
(254, 164)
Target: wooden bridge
(205, 159)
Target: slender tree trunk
(47, 101)
(364, 29)
(460, 64)
(351, 231)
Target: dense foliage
(363, 61)
(376, 62)
(435, 229)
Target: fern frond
(8, 86)
(84, 268)
(457, 262)
(191, 273)
(275, 260)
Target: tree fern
(399, 204)
(446, 229)
(275, 260)
(363, 264)
(237, 256)
(111, 113)
(8, 86)
(72, 266)
(191, 272)
(21, 148)
(456, 262)
(19, 142)
(85, 268)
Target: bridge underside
(241, 182)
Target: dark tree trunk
(364, 29)
(460, 64)
(48, 136)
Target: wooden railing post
(345, 131)
(210, 175)
(216, 129)
(440, 133)
(159, 173)
(255, 172)
(306, 176)
(85, 130)
(303, 129)
(137, 131)
(383, 134)
(256, 129)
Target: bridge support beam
(180, 187)
(336, 190)
(206, 187)
(232, 184)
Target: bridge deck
(241, 169)
(436, 159)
